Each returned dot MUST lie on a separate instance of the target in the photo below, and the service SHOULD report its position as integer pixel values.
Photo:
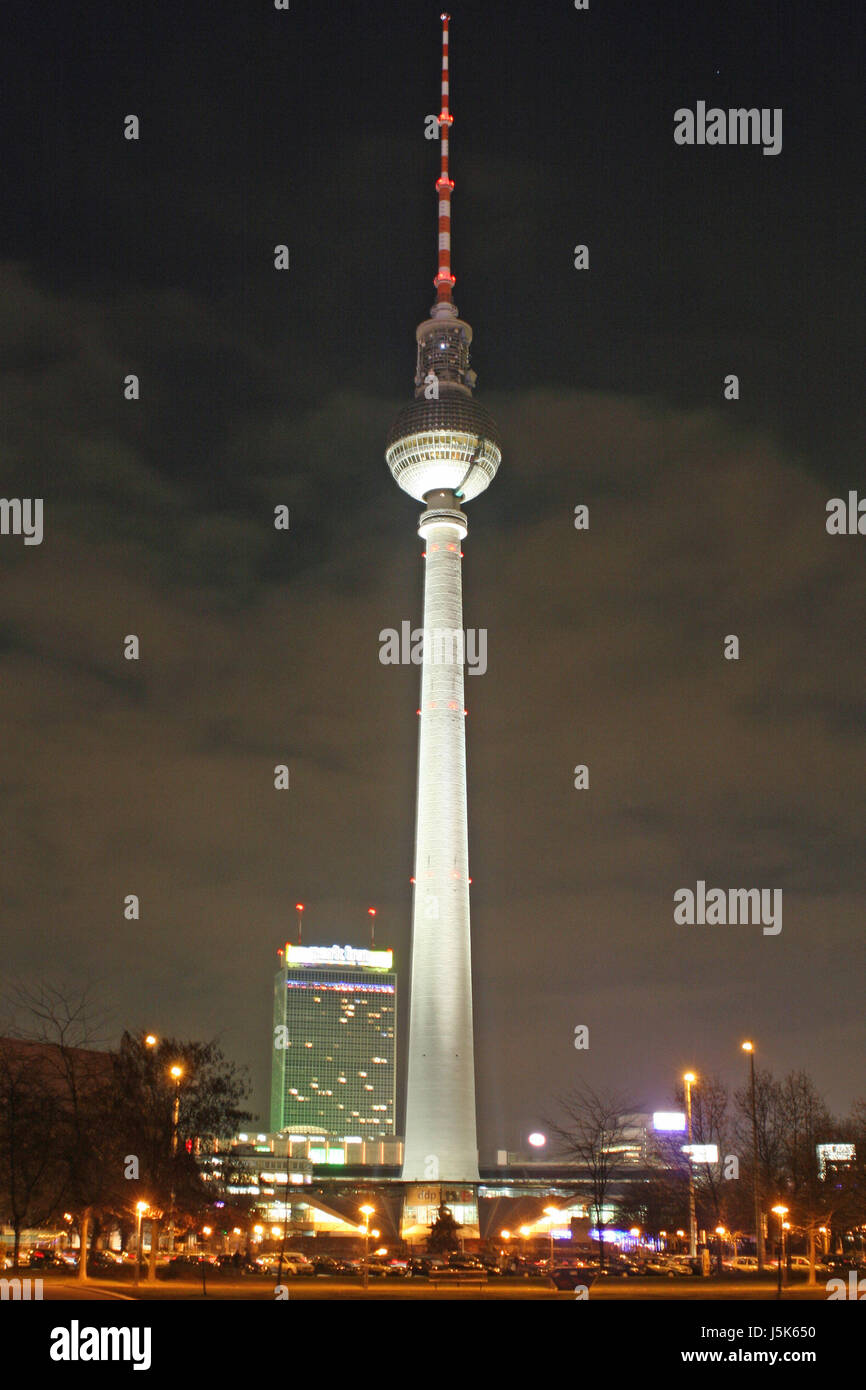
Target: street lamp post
(140, 1209)
(176, 1072)
(689, 1078)
(551, 1212)
(759, 1222)
(366, 1212)
(786, 1241)
(781, 1212)
(525, 1232)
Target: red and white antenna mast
(444, 281)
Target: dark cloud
(605, 647)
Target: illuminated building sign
(338, 955)
(669, 1122)
(702, 1153)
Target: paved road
(63, 1291)
(603, 1291)
(629, 1290)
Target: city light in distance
(669, 1121)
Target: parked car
(424, 1265)
(467, 1262)
(237, 1264)
(46, 1259)
(656, 1268)
(841, 1264)
(743, 1263)
(186, 1267)
(801, 1262)
(619, 1267)
(520, 1265)
(105, 1260)
(292, 1263)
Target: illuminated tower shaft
(440, 1115)
(443, 450)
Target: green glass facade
(334, 1044)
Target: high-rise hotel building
(334, 1041)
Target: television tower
(443, 450)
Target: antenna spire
(444, 281)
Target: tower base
(421, 1202)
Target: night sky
(605, 647)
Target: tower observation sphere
(443, 440)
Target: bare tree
(806, 1123)
(595, 1132)
(769, 1159)
(28, 1118)
(68, 1026)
